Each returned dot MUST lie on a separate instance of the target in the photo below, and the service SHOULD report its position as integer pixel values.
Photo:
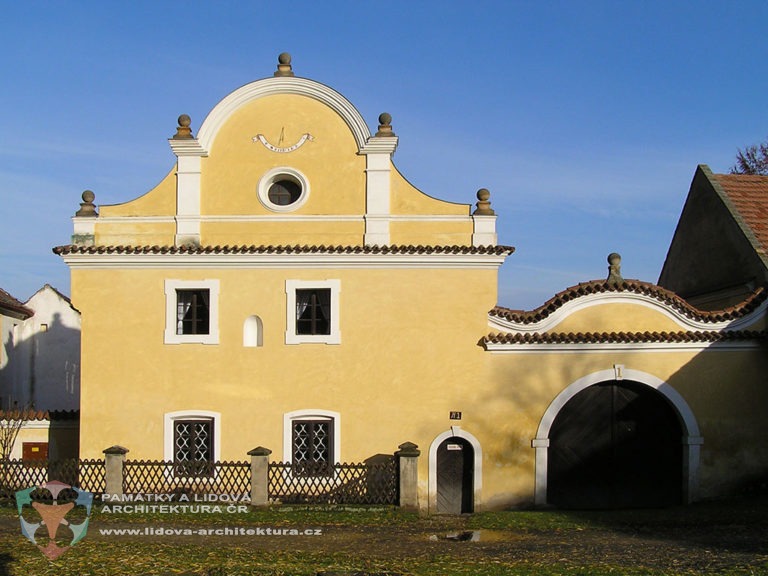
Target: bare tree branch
(752, 160)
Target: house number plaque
(455, 415)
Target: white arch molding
(283, 85)
(691, 439)
(477, 484)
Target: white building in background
(40, 360)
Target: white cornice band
(170, 219)
(308, 260)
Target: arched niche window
(253, 332)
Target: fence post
(408, 460)
(114, 456)
(260, 476)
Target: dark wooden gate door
(615, 445)
(455, 470)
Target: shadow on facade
(726, 395)
(42, 376)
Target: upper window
(313, 311)
(191, 311)
(283, 189)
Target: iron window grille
(313, 448)
(193, 447)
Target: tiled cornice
(623, 337)
(663, 296)
(31, 415)
(296, 249)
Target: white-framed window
(312, 441)
(312, 312)
(192, 441)
(283, 189)
(191, 311)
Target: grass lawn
(729, 537)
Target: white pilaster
(484, 231)
(540, 491)
(188, 168)
(84, 231)
(378, 151)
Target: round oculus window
(283, 189)
(284, 192)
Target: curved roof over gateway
(627, 312)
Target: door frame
(691, 439)
(477, 471)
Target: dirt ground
(712, 547)
(693, 548)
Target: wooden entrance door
(615, 445)
(455, 476)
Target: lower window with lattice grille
(313, 447)
(193, 447)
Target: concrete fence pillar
(260, 476)
(114, 457)
(408, 460)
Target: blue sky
(586, 120)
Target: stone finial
(385, 125)
(183, 131)
(614, 269)
(284, 65)
(483, 203)
(87, 207)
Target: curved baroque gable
(285, 85)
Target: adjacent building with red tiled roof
(12, 308)
(719, 252)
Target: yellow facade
(410, 281)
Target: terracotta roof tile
(622, 337)
(10, 303)
(297, 249)
(749, 195)
(32, 414)
(633, 286)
